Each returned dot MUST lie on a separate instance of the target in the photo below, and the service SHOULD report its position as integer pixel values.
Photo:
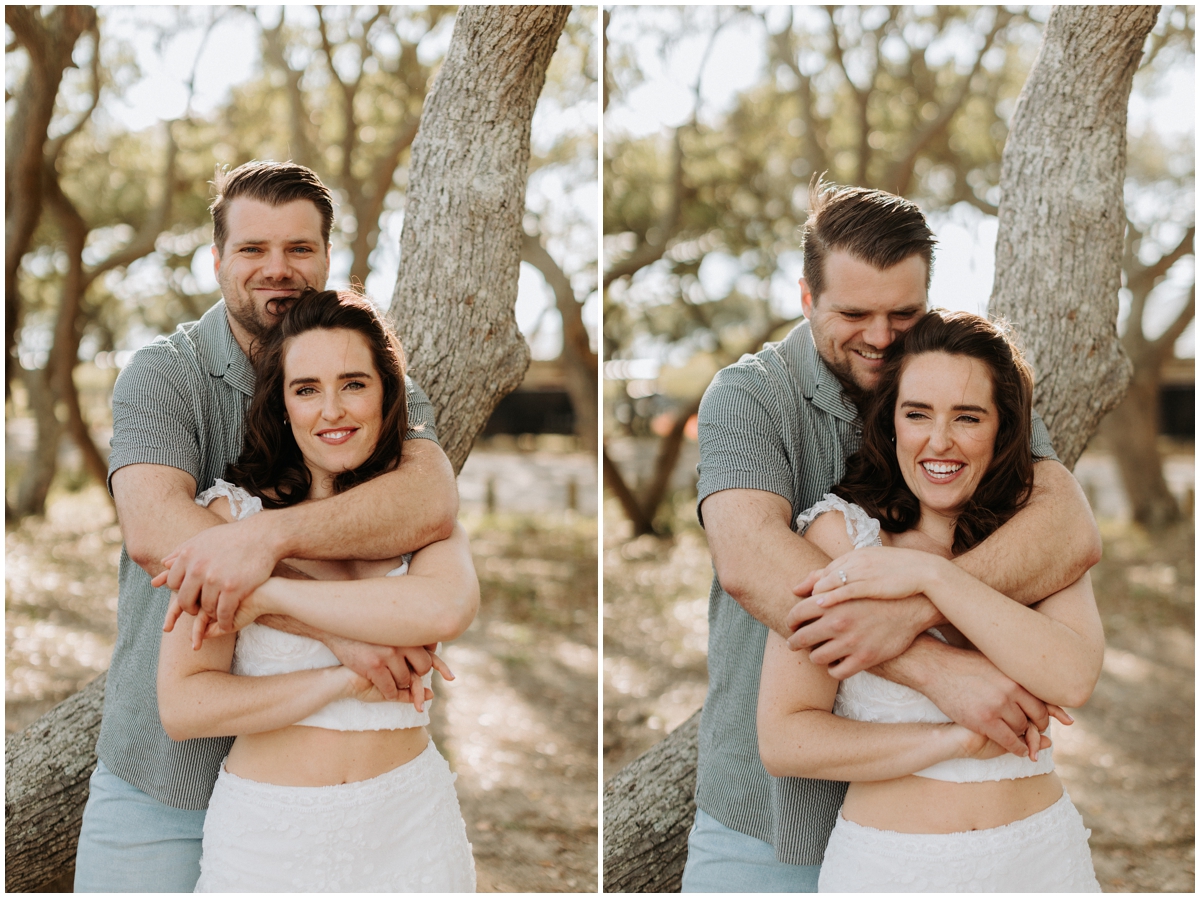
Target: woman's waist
(312, 756)
(915, 804)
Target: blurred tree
(905, 99)
(42, 43)
(1159, 245)
(353, 89)
(557, 238)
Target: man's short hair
(274, 183)
(873, 226)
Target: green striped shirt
(179, 402)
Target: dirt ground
(518, 725)
(1128, 761)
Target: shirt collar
(222, 355)
(819, 385)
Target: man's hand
(218, 567)
(857, 635)
(395, 672)
(972, 692)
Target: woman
(932, 806)
(327, 787)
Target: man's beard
(852, 391)
(259, 323)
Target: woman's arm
(197, 696)
(1054, 649)
(798, 735)
(434, 602)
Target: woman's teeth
(939, 469)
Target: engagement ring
(842, 574)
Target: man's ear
(216, 260)
(806, 299)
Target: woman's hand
(981, 748)
(359, 687)
(874, 572)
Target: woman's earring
(285, 422)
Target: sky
(965, 261)
(230, 56)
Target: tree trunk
(648, 810)
(579, 362)
(43, 460)
(1062, 221)
(460, 249)
(49, 39)
(1132, 429)
(46, 770)
(457, 289)
(1058, 256)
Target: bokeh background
(715, 119)
(150, 100)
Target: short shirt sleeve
(1040, 441)
(421, 424)
(153, 417)
(741, 436)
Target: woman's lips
(337, 437)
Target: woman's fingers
(441, 667)
(1060, 714)
(199, 626)
(173, 613)
(418, 694)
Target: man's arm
(1046, 546)
(758, 559)
(398, 512)
(157, 510)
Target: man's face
(861, 311)
(271, 253)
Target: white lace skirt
(398, 832)
(1047, 852)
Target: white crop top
(261, 651)
(873, 699)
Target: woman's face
(946, 425)
(334, 400)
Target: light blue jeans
(721, 859)
(131, 842)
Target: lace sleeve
(862, 529)
(241, 503)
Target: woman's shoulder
(861, 528)
(241, 504)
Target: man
(177, 423)
(775, 431)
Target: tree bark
(460, 249)
(1062, 220)
(46, 770)
(648, 809)
(469, 194)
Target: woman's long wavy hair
(271, 465)
(873, 479)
